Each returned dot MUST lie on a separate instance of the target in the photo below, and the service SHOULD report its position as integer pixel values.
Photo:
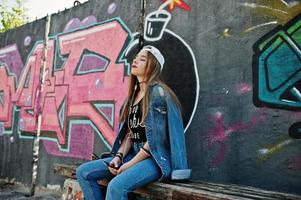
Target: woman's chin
(133, 72)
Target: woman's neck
(141, 83)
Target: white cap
(153, 50)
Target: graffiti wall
(246, 126)
(247, 116)
(233, 65)
(80, 90)
(85, 79)
(16, 153)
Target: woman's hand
(123, 168)
(115, 162)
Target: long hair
(152, 75)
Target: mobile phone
(107, 163)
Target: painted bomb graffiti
(276, 70)
(180, 69)
(86, 87)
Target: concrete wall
(234, 66)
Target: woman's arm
(141, 155)
(125, 145)
(124, 149)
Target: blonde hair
(152, 75)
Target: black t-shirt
(137, 130)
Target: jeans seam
(125, 196)
(91, 190)
(85, 177)
(91, 193)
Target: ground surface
(14, 191)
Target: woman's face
(139, 64)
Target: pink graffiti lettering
(90, 85)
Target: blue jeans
(140, 174)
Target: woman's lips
(134, 66)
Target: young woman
(150, 144)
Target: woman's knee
(83, 170)
(79, 172)
(115, 186)
(93, 170)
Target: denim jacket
(165, 135)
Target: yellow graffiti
(277, 10)
(258, 26)
(226, 32)
(266, 153)
(172, 4)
